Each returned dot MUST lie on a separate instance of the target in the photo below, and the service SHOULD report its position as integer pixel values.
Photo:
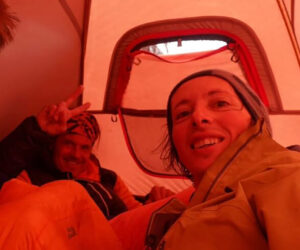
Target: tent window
(184, 47)
(150, 59)
(253, 60)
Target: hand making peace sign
(52, 119)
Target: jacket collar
(238, 161)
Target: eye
(68, 143)
(85, 147)
(182, 114)
(222, 103)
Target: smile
(206, 142)
(73, 162)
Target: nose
(76, 153)
(201, 117)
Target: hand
(158, 193)
(52, 119)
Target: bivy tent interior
(122, 52)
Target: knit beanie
(249, 99)
(84, 124)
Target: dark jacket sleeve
(19, 149)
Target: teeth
(70, 162)
(205, 142)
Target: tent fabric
(148, 153)
(141, 131)
(288, 10)
(144, 86)
(44, 62)
(113, 153)
(154, 76)
(248, 48)
(50, 57)
(272, 34)
(141, 82)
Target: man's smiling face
(72, 153)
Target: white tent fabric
(61, 44)
(271, 28)
(273, 34)
(43, 63)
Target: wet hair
(250, 100)
(7, 24)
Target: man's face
(72, 153)
(207, 117)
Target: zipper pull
(150, 242)
(161, 245)
(234, 49)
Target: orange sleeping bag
(57, 215)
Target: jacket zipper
(106, 207)
(105, 190)
(99, 184)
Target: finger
(154, 190)
(74, 95)
(156, 193)
(46, 114)
(60, 110)
(162, 192)
(46, 110)
(62, 120)
(78, 110)
(169, 193)
(51, 109)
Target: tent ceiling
(46, 54)
(43, 64)
(109, 22)
(247, 48)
